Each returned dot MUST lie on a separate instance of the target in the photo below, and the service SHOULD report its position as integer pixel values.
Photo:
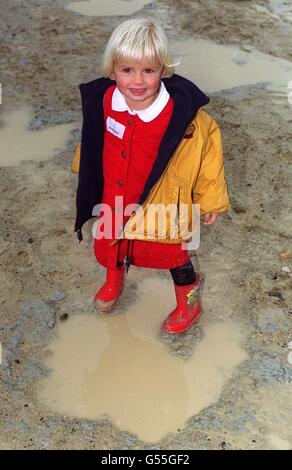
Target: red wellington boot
(188, 308)
(108, 294)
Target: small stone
(246, 48)
(30, 240)
(272, 275)
(285, 269)
(276, 294)
(64, 316)
(286, 254)
(284, 275)
(289, 345)
(238, 209)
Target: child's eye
(126, 70)
(149, 70)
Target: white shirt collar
(146, 115)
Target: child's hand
(210, 218)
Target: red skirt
(144, 254)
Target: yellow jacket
(194, 175)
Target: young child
(146, 140)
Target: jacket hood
(187, 98)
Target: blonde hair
(134, 40)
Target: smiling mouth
(137, 90)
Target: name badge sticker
(115, 127)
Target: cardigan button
(129, 121)
(120, 183)
(124, 154)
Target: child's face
(139, 82)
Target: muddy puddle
(18, 143)
(282, 8)
(116, 366)
(108, 8)
(215, 67)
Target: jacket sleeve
(76, 160)
(211, 190)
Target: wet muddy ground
(48, 279)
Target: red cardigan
(127, 163)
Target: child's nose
(138, 78)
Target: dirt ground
(46, 52)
